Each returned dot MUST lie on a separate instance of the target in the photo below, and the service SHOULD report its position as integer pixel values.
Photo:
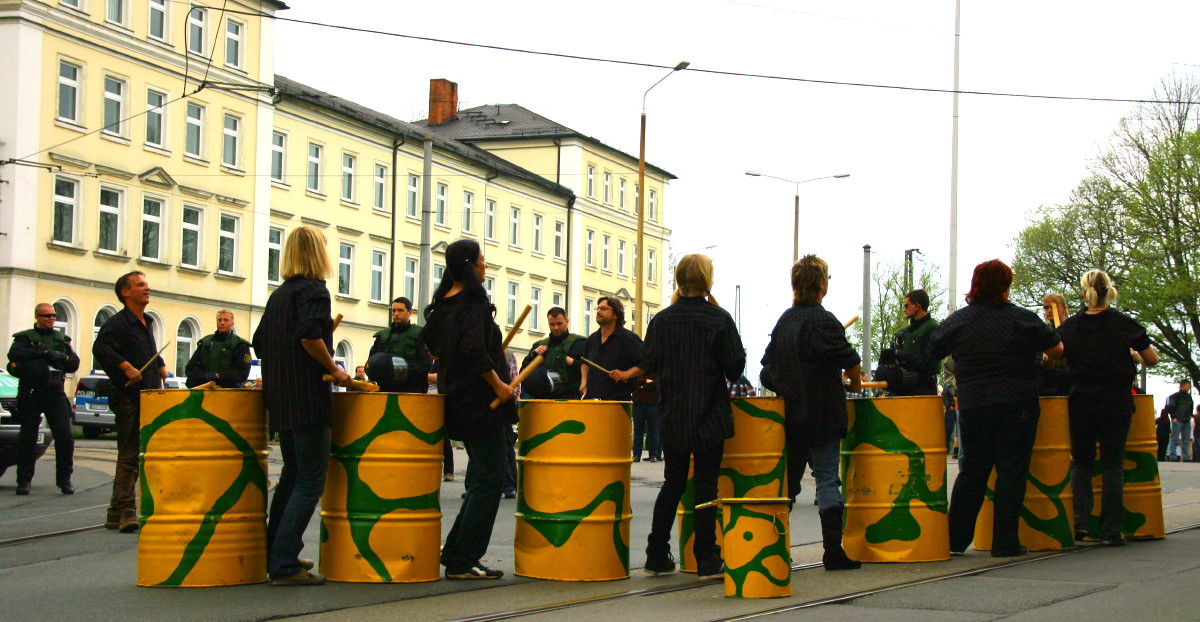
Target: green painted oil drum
(381, 518)
(203, 488)
(757, 548)
(1143, 489)
(753, 466)
(894, 479)
(1047, 516)
(573, 459)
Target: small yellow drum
(894, 478)
(573, 513)
(204, 488)
(757, 550)
(381, 518)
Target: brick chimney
(443, 101)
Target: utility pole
(737, 307)
(908, 268)
(866, 314)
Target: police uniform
(555, 360)
(405, 342)
(224, 359)
(40, 358)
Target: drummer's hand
(341, 378)
(504, 393)
(855, 385)
(539, 350)
(619, 376)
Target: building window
(227, 245)
(560, 247)
(62, 321)
(604, 252)
(345, 267)
(438, 271)
(650, 266)
(349, 163)
(114, 105)
(110, 219)
(68, 92)
(514, 226)
(343, 354)
(535, 312)
(652, 209)
(380, 186)
(514, 289)
(184, 339)
(439, 211)
(190, 243)
(154, 118)
(229, 144)
(556, 299)
(196, 25)
(621, 193)
(71, 3)
(621, 257)
(152, 209)
(194, 143)
(589, 245)
(378, 261)
(102, 316)
(274, 253)
(410, 278)
(278, 154)
(158, 20)
(115, 14)
(314, 167)
(607, 188)
(591, 181)
(489, 285)
(489, 219)
(233, 43)
(587, 314)
(412, 195)
(468, 207)
(65, 204)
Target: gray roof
(511, 122)
(286, 87)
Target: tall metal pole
(796, 229)
(866, 305)
(953, 289)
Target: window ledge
(561, 260)
(413, 219)
(116, 138)
(162, 43)
(70, 125)
(536, 332)
(348, 203)
(74, 9)
(111, 256)
(515, 248)
(378, 304)
(490, 242)
(350, 299)
(538, 254)
(66, 248)
(229, 277)
(445, 228)
(155, 149)
(316, 194)
(153, 263)
(191, 271)
(381, 211)
(232, 170)
(197, 160)
(282, 185)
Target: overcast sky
(1015, 153)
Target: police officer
(561, 352)
(41, 356)
(221, 357)
(402, 338)
(909, 349)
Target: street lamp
(640, 247)
(796, 222)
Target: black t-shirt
(1100, 368)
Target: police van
(90, 409)
(10, 429)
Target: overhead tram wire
(738, 74)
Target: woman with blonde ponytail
(694, 347)
(1100, 406)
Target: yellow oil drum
(1143, 489)
(1047, 516)
(894, 479)
(753, 466)
(573, 459)
(204, 488)
(757, 550)
(381, 518)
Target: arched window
(102, 316)
(344, 354)
(185, 345)
(62, 323)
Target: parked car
(175, 383)
(9, 428)
(91, 412)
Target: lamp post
(640, 248)
(796, 221)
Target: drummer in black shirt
(612, 347)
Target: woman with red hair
(995, 345)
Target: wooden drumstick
(361, 384)
(337, 319)
(211, 384)
(1054, 310)
(850, 322)
(537, 360)
(143, 368)
(512, 332)
(591, 364)
(880, 384)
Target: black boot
(831, 536)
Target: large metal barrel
(757, 551)
(1143, 490)
(573, 459)
(894, 478)
(381, 518)
(204, 488)
(1047, 516)
(753, 466)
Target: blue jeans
(646, 422)
(1181, 437)
(824, 460)
(467, 542)
(305, 459)
(1088, 428)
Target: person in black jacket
(294, 340)
(472, 371)
(694, 347)
(222, 357)
(43, 355)
(402, 338)
(804, 363)
(1179, 409)
(1100, 405)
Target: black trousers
(1089, 428)
(31, 405)
(707, 468)
(999, 436)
